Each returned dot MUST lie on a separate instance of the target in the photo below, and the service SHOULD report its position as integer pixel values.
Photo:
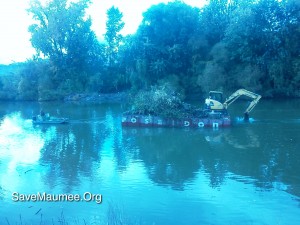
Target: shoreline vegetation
(97, 97)
(223, 46)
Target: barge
(135, 120)
(214, 115)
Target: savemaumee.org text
(46, 197)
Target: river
(245, 174)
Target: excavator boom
(214, 102)
(238, 94)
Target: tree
(267, 42)
(63, 34)
(28, 85)
(113, 37)
(215, 18)
(57, 26)
(162, 46)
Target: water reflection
(71, 152)
(169, 160)
(187, 167)
(173, 156)
(26, 150)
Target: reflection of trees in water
(269, 156)
(123, 154)
(217, 170)
(70, 152)
(171, 156)
(282, 158)
(265, 159)
(73, 150)
(174, 156)
(266, 154)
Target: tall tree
(114, 25)
(163, 43)
(215, 18)
(62, 33)
(267, 42)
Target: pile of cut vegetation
(162, 101)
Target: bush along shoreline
(97, 97)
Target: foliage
(114, 25)
(9, 80)
(9, 87)
(28, 84)
(225, 45)
(63, 34)
(214, 19)
(162, 49)
(161, 100)
(267, 42)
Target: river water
(246, 174)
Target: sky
(15, 43)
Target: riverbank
(97, 97)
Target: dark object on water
(246, 117)
(28, 170)
(38, 211)
(42, 113)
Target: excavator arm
(238, 94)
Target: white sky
(15, 43)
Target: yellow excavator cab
(216, 95)
(214, 101)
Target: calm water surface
(246, 174)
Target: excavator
(214, 101)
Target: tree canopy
(61, 31)
(113, 37)
(223, 46)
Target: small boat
(49, 120)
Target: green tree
(162, 46)
(113, 75)
(28, 85)
(9, 87)
(267, 43)
(215, 18)
(113, 37)
(62, 33)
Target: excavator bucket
(246, 117)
